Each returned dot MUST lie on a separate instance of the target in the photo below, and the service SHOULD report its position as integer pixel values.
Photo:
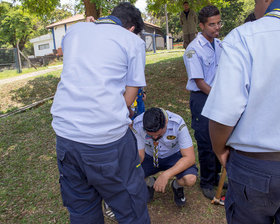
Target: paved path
(28, 75)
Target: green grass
(13, 73)
(24, 92)
(29, 188)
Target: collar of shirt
(203, 41)
(109, 20)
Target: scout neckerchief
(109, 20)
(274, 13)
(155, 154)
(155, 151)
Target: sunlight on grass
(29, 187)
(13, 73)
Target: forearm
(219, 135)
(130, 94)
(179, 167)
(141, 154)
(187, 160)
(203, 86)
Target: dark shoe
(208, 193)
(151, 192)
(179, 197)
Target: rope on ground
(30, 106)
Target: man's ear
(201, 25)
(131, 29)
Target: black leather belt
(197, 92)
(272, 156)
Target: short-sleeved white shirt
(175, 138)
(99, 61)
(246, 90)
(201, 61)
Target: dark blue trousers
(210, 166)
(253, 194)
(112, 171)
(165, 164)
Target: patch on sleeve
(190, 53)
(171, 137)
(182, 126)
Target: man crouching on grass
(164, 144)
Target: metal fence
(9, 58)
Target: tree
(94, 8)
(174, 8)
(232, 15)
(17, 25)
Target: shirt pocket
(171, 144)
(208, 61)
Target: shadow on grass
(35, 90)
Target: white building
(51, 43)
(43, 45)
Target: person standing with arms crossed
(201, 60)
(96, 151)
(188, 21)
(243, 108)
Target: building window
(44, 46)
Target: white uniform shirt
(176, 137)
(246, 89)
(100, 60)
(201, 61)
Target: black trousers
(210, 166)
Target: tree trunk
(91, 9)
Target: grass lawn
(29, 188)
(13, 73)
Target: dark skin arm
(219, 135)
(203, 86)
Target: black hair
(129, 16)
(207, 11)
(185, 2)
(153, 119)
(250, 18)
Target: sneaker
(108, 212)
(179, 197)
(208, 193)
(222, 200)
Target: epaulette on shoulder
(174, 117)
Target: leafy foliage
(42, 7)
(16, 25)
(156, 8)
(232, 15)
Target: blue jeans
(112, 171)
(253, 194)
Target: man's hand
(223, 157)
(219, 135)
(90, 19)
(161, 182)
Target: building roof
(81, 17)
(42, 38)
(151, 25)
(75, 18)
